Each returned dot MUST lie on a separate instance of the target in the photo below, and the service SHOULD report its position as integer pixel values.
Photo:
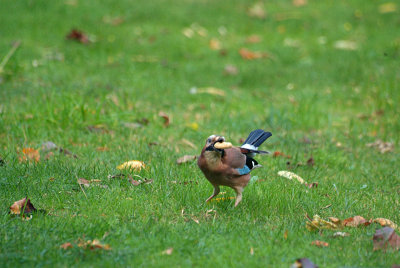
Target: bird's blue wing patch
(244, 170)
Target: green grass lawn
(326, 86)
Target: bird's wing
(234, 158)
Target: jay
(230, 166)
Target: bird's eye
(208, 140)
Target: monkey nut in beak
(223, 145)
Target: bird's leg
(216, 192)
(238, 191)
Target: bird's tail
(254, 140)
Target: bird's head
(216, 143)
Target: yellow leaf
(385, 222)
(387, 8)
(193, 126)
(290, 175)
(133, 164)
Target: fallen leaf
(84, 182)
(345, 45)
(252, 55)
(186, 158)
(298, 3)
(78, 36)
(168, 251)
(303, 263)
(251, 251)
(381, 146)
(318, 223)
(311, 162)
(387, 8)
(102, 149)
(355, 221)
(290, 175)
(132, 165)
(385, 237)
(231, 70)
(319, 243)
(208, 90)
(253, 39)
(166, 118)
(285, 234)
(92, 244)
(215, 44)
(257, 10)
(277, 153)
(385, 223)
(22, 206)
(311, 185)
(193, 126)
(29, 154)
(340, 234)
(66, 245)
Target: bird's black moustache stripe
(212, 148)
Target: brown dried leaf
(166, 118)
(77, 35)
(83, 182)
(186, 158)
(355, 221)
(385, 237)
(319, 243)
(311, 185)
(311, 162)
(22, 206)
(66, 245)
(252, 55)
(29, 154)
(102, 149)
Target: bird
(225, 165)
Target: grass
(52, 89)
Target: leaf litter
(22, 207)
(317, 223)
